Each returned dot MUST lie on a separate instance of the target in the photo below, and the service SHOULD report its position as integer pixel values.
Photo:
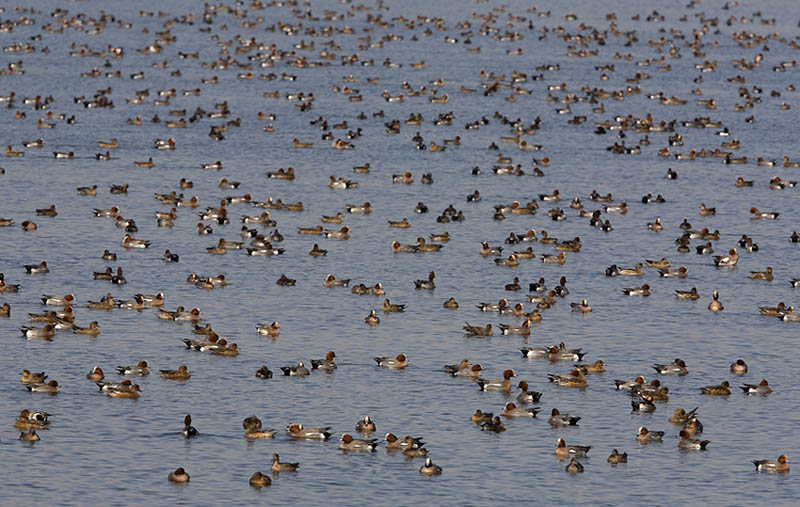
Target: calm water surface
(105, 450)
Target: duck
(681, 272)
(739, 367)
(394, 443)
(450, 304)
(189, 431)
(572, 451)
(331, 281)
(779, 466)
(30, 436)
(179, 476)
(426, 284)
(259, 480)
(254, 431)
(328, 364)
(616, 458)
(691, 444)
(645, 436)
(715, 305)
(269, 329)
(511, 410)
(687, 294)
(582, 307)
(277, 466)
(264, 372)
(295, 371)
(31, 420)
(357, 444)
(477, 330)
(554, 259)
(495, 425)
(643, 404)
(32, 378)
(93, 329)
(129, 242)
(722, 389)
(763, 215)
(128, 391)
(559, 420)
(762, 275)
(643, 291)
(575, 378)
(430, 468)
(681, 416)
(372, 319)
(677, 367)
(597, 367)
(47, 332)
(365, 425)
(298, 431)
(729, 260)
(398, 362)
(497, 385)
(762, 387)
(96, 374)
(182, 373)
(635, 271)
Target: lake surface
(99, 449)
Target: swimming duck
(477, 330)
(727, 260)
(706, 211)
(30, 436)
(357, 444)
(298, 431)
(762, 387)
(253, 431)
(47, 332)
(681, 272)
(189, 431)
(597, 367)
(259, 480)
(635, 271)
(179, 476)
(573, 451)
(131, 391)
(645, 436)
(691, 444)
(739, 367)
(681, 416)
(715, 305)
(93, 329)
(722, 389)
(426, 284)
(643, 404)
(762, 275)
(31, 420)
(644, 291)
(511, 410)
(96, 374)
(524, 329)
(32, 378)
(182, 373)
(677, 367)
(526, 396)
(365, 425)
(575, 378)
(354, 208)
(495, 425)
(331, 281)
(393, 443)
(372, 319)
(277, 466)
(559, 420)
(430, 468)
(582, 307)
(779, 466)
(264, 372)
(687, 294)
(396, 363)
(497, 385)
(615, 457)
(765, 215)
(295, 371)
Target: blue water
(101, 449)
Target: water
(99, 447)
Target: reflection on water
(99, 447)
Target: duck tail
(704, 444)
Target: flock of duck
(259, 236)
